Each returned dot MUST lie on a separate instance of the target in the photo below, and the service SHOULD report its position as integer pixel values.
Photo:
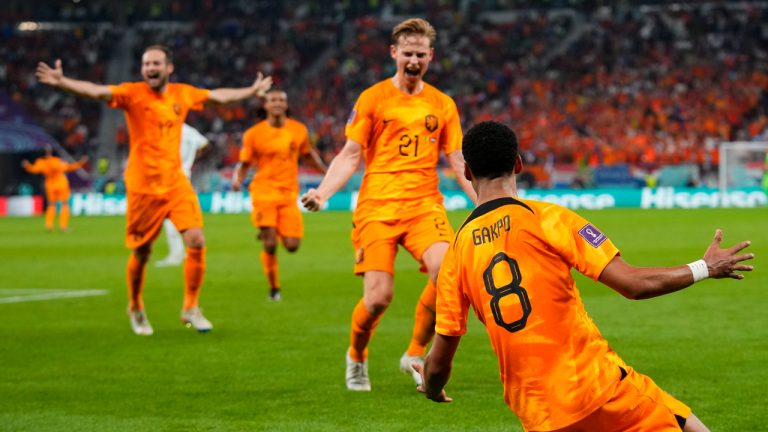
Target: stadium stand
(641, 85)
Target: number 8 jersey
(511, 260)
(401, 137)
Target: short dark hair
(490, 150)
(164, 49)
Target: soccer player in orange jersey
(399, 126)
(53, 170)
(511, 261)
(155, 110)
(274, 146)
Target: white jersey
(191, 142)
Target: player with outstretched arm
(511, 262)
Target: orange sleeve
(121, 95)
(580, 243)
(361, 119)
(452, 306)
(246, 151)
(35, 168)
(195, 97)
(451, 135)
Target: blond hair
(414, 26)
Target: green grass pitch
(73, 363)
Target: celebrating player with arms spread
(157, 188)
(56, 185)
(398, 126)
(511, 262)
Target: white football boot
(357, 375)
(139, 323)
(194, 318)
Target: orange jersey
(154, 126)
(53, 170)
(402, 136)
(512, 260)
(275, 153)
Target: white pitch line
(48, 295)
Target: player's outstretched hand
(25, 163)
(51, 76)
(236, 185)
(84, 159)
(440, 397)
(724, 263)
(262, 85)
(312, 200)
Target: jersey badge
(430, 122)
(177, 109)
(359, 256)
(592, 235)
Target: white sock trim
(699, 270)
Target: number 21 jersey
(401, 137)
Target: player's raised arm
(456, 160)
(54, 77)
(645, 282)
(74, 166)
(226, 95)
(340, 170)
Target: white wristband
(699, 270)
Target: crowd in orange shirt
(646, 86)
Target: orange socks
(135, 275)
(194, 269)
(64, 217)
(424, 325)
(50, 215)
(269, 262)
(363, 326)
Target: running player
(398, 126)
(192, 142)
(274, 146)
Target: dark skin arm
(639, 283)
(313, 159)
(437, 367)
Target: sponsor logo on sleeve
(592, 235)
(352, 116)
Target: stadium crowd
(585, 86)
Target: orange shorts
(376, 242)
(284, 216)
(145, 214)
(57, 195)
(638, 404)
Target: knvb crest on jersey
(431, 123)
(177, 109)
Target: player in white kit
(192, 142)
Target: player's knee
(291, 244)
(270, 248)
(194, 238)
(377, 306)
(377, 301)
(143, 252)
